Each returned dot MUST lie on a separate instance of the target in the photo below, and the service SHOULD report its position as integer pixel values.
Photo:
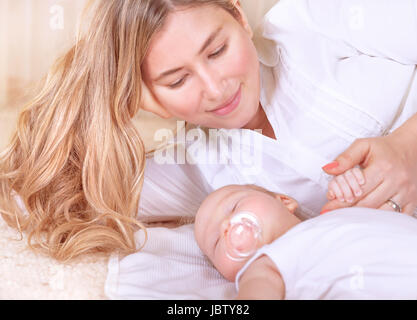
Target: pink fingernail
(331, 165)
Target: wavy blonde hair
(76, 160)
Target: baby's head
(236, 220)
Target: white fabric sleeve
(379, 28)
(171, 191)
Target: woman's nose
(213, 87)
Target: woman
(77, 162)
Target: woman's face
(202, 67)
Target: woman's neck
(260, 121)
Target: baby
(253, 237)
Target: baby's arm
(261, 281)
(347, 186)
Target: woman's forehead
(185, 21)
(184, 33)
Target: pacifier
(242, 236)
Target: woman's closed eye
(214, 55)
(178, 83)
(218, 52)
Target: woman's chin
(239, 119)
(235, 124)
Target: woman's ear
(287, 201)
(148, 103)
(243, 18)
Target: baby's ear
(287, 201)
(148, 103)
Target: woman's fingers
(333, 205)
(386, 207)
(379, 197)
(355, 155)
(408, 208)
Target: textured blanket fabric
(28, 275)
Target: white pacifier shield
(242, 235)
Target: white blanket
(27, 275)
(170, 266)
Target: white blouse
(333, 71)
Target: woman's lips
(225, 110)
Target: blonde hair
(76, 160)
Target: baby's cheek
(228, 268)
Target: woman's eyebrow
(167, 73)
(209, 40)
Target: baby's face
(272, 214)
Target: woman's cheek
(244, 60)
(182, 104)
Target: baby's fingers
(345, 187)
(355, 179)
(360, 177)
(335, 191)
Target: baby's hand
(347, 186)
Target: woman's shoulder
(361, 25)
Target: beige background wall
(34, 32)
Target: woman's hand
(389, 166)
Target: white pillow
(256, 9)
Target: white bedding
(170, 266)
(25, 275)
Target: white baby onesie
(352, 253)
